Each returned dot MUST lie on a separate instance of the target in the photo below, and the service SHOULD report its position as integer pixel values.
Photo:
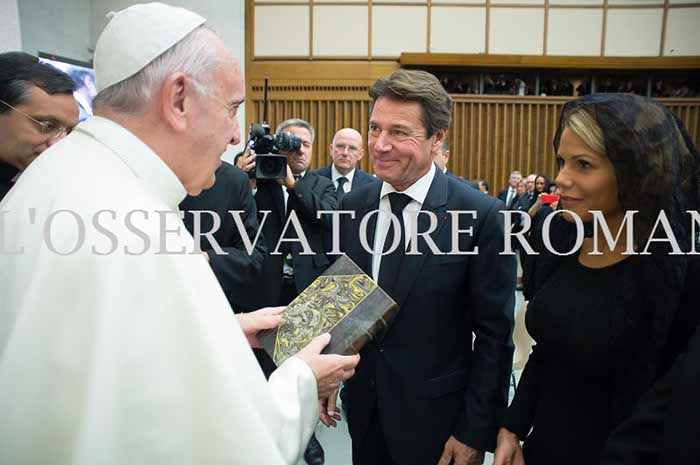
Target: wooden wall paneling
(490, 135)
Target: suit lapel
(370, 204)
(278, 201)
(435, 202)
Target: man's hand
(328, 410)
(508, 451)
(329, 370)
(460, 454)
(246, 162)
(254, 322)
(289, 181)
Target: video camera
(269, 163)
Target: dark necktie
(391, 264)
(340, 191)
(296, 177)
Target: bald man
(346, 152)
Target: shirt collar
(138, 157)
(418, 191)
(335, 174)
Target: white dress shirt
(335, 175)
(128, 358)
(417, 191)
(510, 195)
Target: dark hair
(547, 183)
(19, 71)
(486, 184)
(551, 187)
(420, 87)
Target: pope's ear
(175, 100)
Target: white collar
(138, 157)
(335, 174)
(418, 191)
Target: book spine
(372, 333)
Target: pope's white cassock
(109, 357)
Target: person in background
(346, 152)
(484, 186)
(508, 195)
(37, 110)
(287, 273)
(541, 187)
(604, 323)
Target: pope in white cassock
(117, 345)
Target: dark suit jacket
(311, 194)
(238, 272)
(359, 179)
(422, 372)
(472, 184)
(7, 173)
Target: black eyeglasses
(49, 128)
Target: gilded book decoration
(344, 302)
(318, 309)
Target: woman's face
(586, 179)
(540, 183)
(520, 188)
(482, 187)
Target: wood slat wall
(490, 135)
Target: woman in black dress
(602, 321)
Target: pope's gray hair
(194, 55)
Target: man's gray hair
(194, 55)
(296, 122)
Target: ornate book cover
(343, 301)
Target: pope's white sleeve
(293, 387)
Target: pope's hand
(329, 370)
(254, 322)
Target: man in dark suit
(346, 152)
(238, 271)
(442, 156)
(508, 195)
(423, 392)
(37, 109)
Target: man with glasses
(37, 109)
(346, 153)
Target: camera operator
(287, 273)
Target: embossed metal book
(343, 301)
